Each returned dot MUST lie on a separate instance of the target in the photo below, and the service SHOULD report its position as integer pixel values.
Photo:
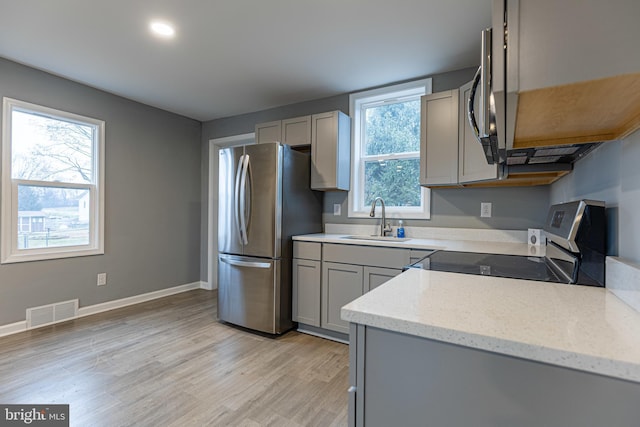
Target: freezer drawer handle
(252, 264)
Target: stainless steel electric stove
(575, 251)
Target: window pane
(48, 149)
(52, 217)
(392, 128)
(396, 181)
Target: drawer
(365, 255)
(307, 250)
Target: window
(52, 183)
(386, 151)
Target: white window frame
(357, 101)
(9, 196)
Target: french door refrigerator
(264, 198)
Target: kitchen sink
(379, 238)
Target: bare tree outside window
(46, 149)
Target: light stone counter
(577, 327)
(493, 247)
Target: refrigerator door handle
(247, 198)
(250, 264)
(236, 207)
(243, 196)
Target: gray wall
(152, 192)
(610, 173)
(513, 208)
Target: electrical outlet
(337, 209)
(102, 279)
(485, 210)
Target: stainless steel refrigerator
(264, 198)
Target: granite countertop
(579, 327)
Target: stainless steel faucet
(384, 227)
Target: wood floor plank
(169, 362)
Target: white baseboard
(14, 328)
(208, 285)
(137, 299)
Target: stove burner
(510, 266)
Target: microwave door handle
(243, 195)
(471, 114)
(485, 80)
(236, 207)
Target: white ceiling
(237, 56)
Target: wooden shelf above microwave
(592, 111)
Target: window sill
(43, 256)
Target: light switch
(337, 209)
(485, 210)
(102, 279)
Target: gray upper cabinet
(294, 132)
(570, 72)
(269, 132)
(449, 152)
(560, 43)
(297, 131)
(330, 151)
(439, 139)
(472, 163)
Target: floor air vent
(52, 313)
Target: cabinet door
(472, 163)
(297, 131)
(439, 139)
(418, 254)
(571, 71)
(306, 291)
(376, 276)
(330, 151)
(269, 132)
(341, 284)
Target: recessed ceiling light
(162, 29)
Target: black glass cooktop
(511, 266)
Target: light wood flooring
(169, 362)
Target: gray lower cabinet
(305, 282)
(327, 276)
(404, 380)
(376, 276)
(306, 291)
(417, 254)
(341, 284)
